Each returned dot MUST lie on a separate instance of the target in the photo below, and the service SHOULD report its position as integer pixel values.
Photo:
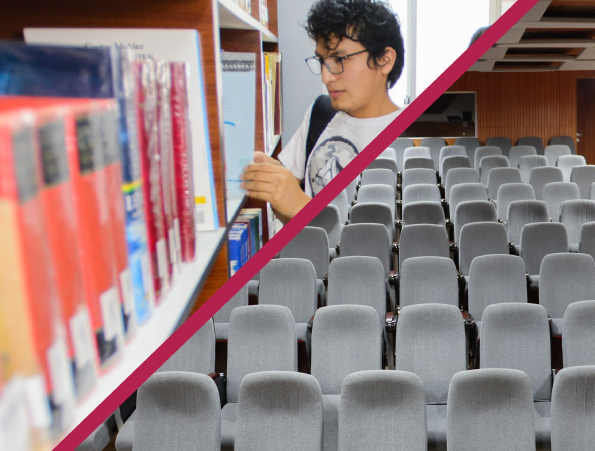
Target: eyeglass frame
(323, 62)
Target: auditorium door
(585, 115)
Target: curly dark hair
(371, 22)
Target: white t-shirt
(341, 141)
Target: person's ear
(387, 61)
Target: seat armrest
(390, 321)
(393, 278)
(395, 248)
(354, 203)
(468, 320)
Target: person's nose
(326, 75)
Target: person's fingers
(259, 186)
(262, 167)
(261, 157)
(258, 195)
(269, 177)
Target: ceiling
(554, 35)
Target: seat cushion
(436, 415)
(330, 406)
(221, 331)
(98, 439)
(126, 435)
(229, 415)
(543, 425)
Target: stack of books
(245, 238)
(273, 100)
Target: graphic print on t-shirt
(328, 159)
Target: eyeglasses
(334, 64)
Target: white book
(168, 45)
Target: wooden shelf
(235, 202)
(233, 17)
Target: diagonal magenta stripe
(262, 257)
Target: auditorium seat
(552, 152)
(379, 177)
(473, 211)
(374, 213)
(470, 145)
(579, 334)
(555, 193)
(586, 244)
(516, 152)
(509, 192)
(490, 162)
(584, 177)
(485, 151)
(502, 142)
(541, 176)
(567, 162)
(400, 144)
(528, 163)
(414, 152)
(329, 219)
(573, 214)
(500, 176)
(450, 151)
(343, 205)
(384, 163)
(522, 212)
(435, 145)
(481, 238)
(565, 141)
(221, 318)
(453, 162)
(377, 193)
(464, 192)
(457, 176)
(422, 240)
(428, 280)
(533, 141)
(416, 176)
(419, 163)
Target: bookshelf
(222, 26)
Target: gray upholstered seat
(473, 211)
(342, 203)
(345, 339)
(481, 238)
(572, 409)
(380, 177)
(584, 177)
(418, 175)
(428, 280)
(421, 193)
(197, 355)
(502, 142)
(500, 176)
(517, 336)
(451, 151)
(509, 192)
(521, 212)
(389, 152)
(435, 145)
(384, 163)
(490, 409)
(567, 162)
(431, 343)
(413, 152)
(484, 151)
(423, 212)
(377, 193)
(538, 240)
(552, 152)
(541, 176)
(380, 409)
(374, 213)
(535, 141)
(516, 152)
(530, 162)
(470, 145)
(261, 338)
(351, 190)
(491, 162)
(418, 163)
(565, 141)
(177, 409)
(329, 219)
(279, 410)
(495, 279)
(579, 334)
(586, 244)
(367, 240)
(221, 318)
(400, 144)
(557, 192)
(464, 192)
(101, 436)
(453, 162)
(459, 175)
(565, 278)
(573, 214)
(422, 240)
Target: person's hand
(268, 180)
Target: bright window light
(398, 93)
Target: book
(255, 213)
(159, 44)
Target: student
(359, 55)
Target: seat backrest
(587, 239)
(279, 410)
(290, 282)
(342, 203)
(534, 141)
(473, 211)
(451, 151)
(423, 212)
(541, 176)
(481, 238)
(528, 162)
(428, 280)
(357, 281)
(572, 420)
(573, 214)
(567, 162)
(377, 193)
(418, 163)
(500, 141)
(485, 151)
(481, 399)
(470, 145)
(456, 176)
(565, 141)
(197, 355)
(516, 152)
(579, 334)
(564, 279)
(240, 299)
(435, 145)
(312, 244)
(555, 193)
(261, 338)
(379, 177)
(452, 162)
(164, 410)
(431, 343)
(463, 192)
(552, 152)
(384, 163)
(329, 219)
(364, 421)
(584, 177)
(509, 192)
(521, 212)
(418, 175)
(367, 240)
(540, 239)
(420, 193)
(345, 339)
(421, 240)
(499, 176)
(495, 279)
(374, 213)
(517, 336)
(400, 144)
(389, 152)
(412, 152)
(490, 162)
